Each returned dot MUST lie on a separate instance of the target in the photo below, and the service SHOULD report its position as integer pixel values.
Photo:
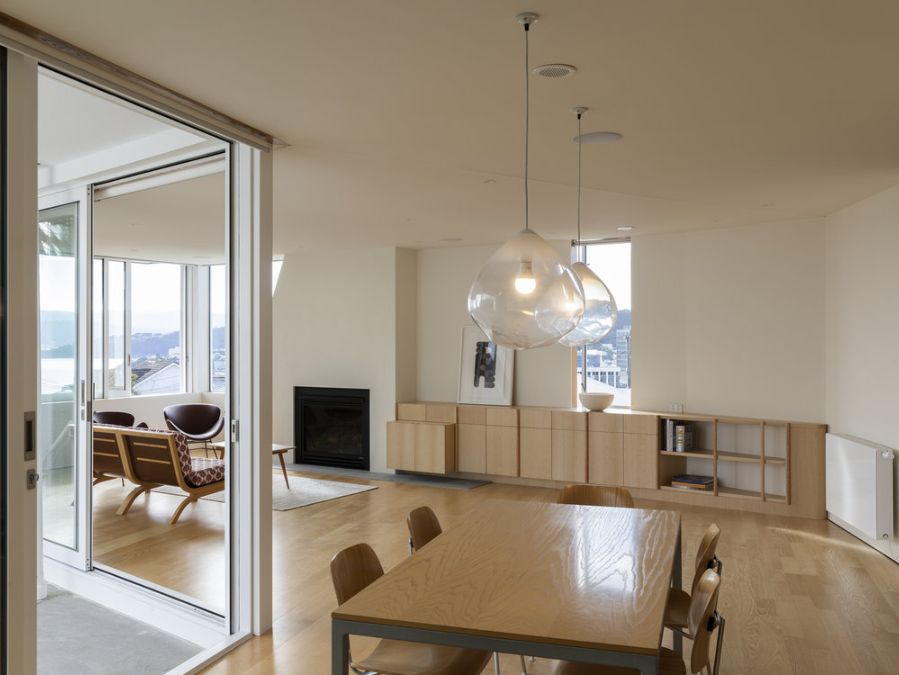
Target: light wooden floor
(800, 596)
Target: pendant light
(600, 310)
(526, 296)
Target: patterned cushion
(197, 471)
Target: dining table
(579, 583)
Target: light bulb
(525, 283)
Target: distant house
(165, 379)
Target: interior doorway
(134, 288)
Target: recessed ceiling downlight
(554, 70)
(598, 137)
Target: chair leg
(190, 499)
(496, 663)
(129, 500)
(719, 644)
(524, 668)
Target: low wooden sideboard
(767, 466)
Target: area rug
(303, 491)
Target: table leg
(677, 640)
(340, 650)
(283, 469)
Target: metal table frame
(647, 664)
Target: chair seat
(678, 609)
(205, 471)
(670, 663)
(393, 657)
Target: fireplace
(331, 426)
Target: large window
(606, 365)
(138, 327)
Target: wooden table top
(276, 447)
(586, 576)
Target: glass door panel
(59, 372)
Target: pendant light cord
(527, 121)
(579, 182)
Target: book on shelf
(683, 437)
(692, 482)
(669, 435)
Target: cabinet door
(569, 455)
(605, 453)
(435, 448)
(401, 445)
(535, 453)
(640, 461)
(471, 448)
(502, 451)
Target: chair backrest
(192, 418)
(353, 569)
(423, 526)
(596, 495)
(155, 456)
(107, 457)
(701, 619)
(705, 554)
(114, 417)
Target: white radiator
(860, 489)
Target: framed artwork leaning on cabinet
(486, 370)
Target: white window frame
(579, 253)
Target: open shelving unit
(747, 459)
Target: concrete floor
(79, 637)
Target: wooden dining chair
(423, 527)
(352, 570)
(678, 609)
(702, 621)
(596, 495)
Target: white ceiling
(181, 222)
(400, 114)
(74, 122)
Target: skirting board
(889, 547)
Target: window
(115, 342)
(608, 362)
(218, 363)
(156, 346)
(137, 327)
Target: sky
(612, 264)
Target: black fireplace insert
(331, 426)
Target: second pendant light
(600, 310)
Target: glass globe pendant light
(526, 296)
(600, 310)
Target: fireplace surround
(331, 426)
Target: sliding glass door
(65, 376)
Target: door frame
(251, 213)
(21, 365)
(80, 556)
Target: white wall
(862, 336)
(542, 376)
(335, 324)
(731, 321)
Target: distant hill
(624, 321)
(57, 338)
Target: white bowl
(596, 401)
